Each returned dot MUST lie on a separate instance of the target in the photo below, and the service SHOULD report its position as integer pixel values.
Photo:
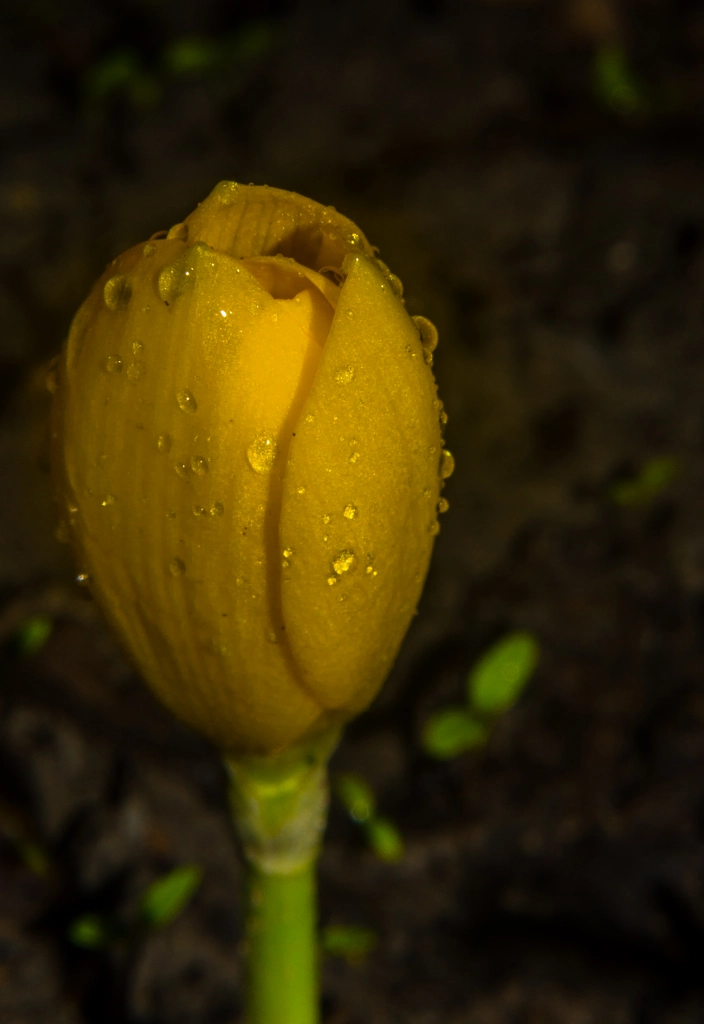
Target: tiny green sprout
(655, 476)
(349, 941)
(614, 83)
(166, 898)
(501, 674)
(356, 797)
(90, 931)
(384, 839)
(452, 731)
(33, 634)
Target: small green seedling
(614, 82)
(655, 476)
(451, 731)
(33, 634)
(166, 898)
(494, 685)
(351, 942)
(359, 801)
(500, 676)
(90, 931)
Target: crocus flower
(248, 461)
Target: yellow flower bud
(248, 462)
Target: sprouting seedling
(161, 903)
(358, 799)
(33, 634)
(614, 82)
(654, 477)
(166, 898)
(494, 685)
(351, 942)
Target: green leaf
(653, 478)
(501, 674)
(451, 731)
(348, 941)
(168, 896)
(384, 839)
(356, 796)
(614, 82)
(89, 932)
(33, 634)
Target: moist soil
(533, 173)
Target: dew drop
(443, 505)
(113, 364)
(174, 279)
(83, 578)
(72, 512)
(343, 562)
(181, 469)
(354, 240)
(428, 333)
(149, 249)
(326, 519)
(135, 371)
(287, 552)
(301, 490)
(447, 464)
(350, 511)
(261, 454)
(350, 314)
(199, 511)
(325, 538)
(443, 417)
(199, 465)
(108, 500)
(428, 357)
(216, 509)
(345, 375)
(434, 528)
(163, 443)
(177, 567)
(186, 401)
(117, 293)
(332, 580)
(354, 457)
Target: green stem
(279, 805)
(282, 948)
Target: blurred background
(532, 170)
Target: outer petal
(360, 495)
(176, 529)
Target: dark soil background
(533, 171)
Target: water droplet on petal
(163, 443)
(175, 278)
(113, 364)
(261, 454)
(350, 511)
(443, 417)
(332, 580)
(428, 333)
(83, 578)
(199, 465)
(199, 511)
(117, 293)
(343, 562)
(226, 192)
(186, 401)
(181, 470)
(216, 509)
(434, 528)
(108, 500)
(149, 249)
(428, 357)
(344, 375)
(177, 567)
(287, 552)
(301, 490)
(396, 285)
(447, 464)
(443, 505)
